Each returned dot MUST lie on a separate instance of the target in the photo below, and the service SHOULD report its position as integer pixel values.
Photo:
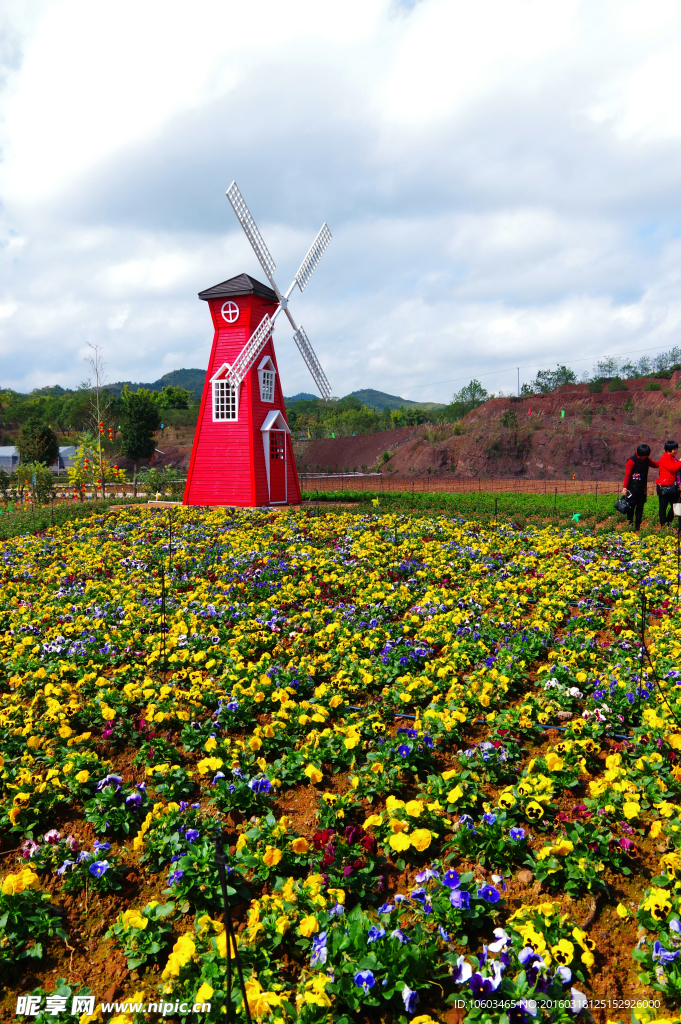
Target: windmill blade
(315, 253)
(307, 352)
(250, 227)
(251, 350)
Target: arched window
(266, 375)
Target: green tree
(85, 470)
(465, 400)
(472, 394)
(349, 402)
(171, 397)
(37, 442)
(141, 419)
(549, 380)
(607, 368)
(160, 481)
(38, 480)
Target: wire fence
(386, 483)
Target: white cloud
(97, 77)
(455, 50)
(500, 178)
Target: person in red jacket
(636, 482)
(667, 482)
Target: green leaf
(164, 909)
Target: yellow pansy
(308, 926)
(399, 842)
(314, 775)
(421, 839)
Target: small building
(66, 458)
(9, 458)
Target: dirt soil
(516, 437)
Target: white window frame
(224, 411)
(267, 375)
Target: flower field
(444, 767)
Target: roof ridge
(242, 284)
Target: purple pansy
(489, 893)
(99, 868)
(364, 980)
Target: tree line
(605, 371)
(65, 411)
(109, 426)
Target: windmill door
(277, 465)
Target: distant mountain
(378, 400)
(192, 380)
(303, 396)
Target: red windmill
(242, 452)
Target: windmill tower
(242, 452)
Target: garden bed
(442, 764)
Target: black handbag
(624, 504)
(668, 491)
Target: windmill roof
(242, 284)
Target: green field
(590, 509)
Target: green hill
(192, 380)
(302, 396)
(378, 400)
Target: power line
(533, 366)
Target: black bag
(668, 491)
(624, 504)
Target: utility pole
(518, 382)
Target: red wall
(227, 465)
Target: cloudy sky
(501, 178)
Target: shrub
(142, 934)
(595, 387)
(653, 386)
(617, 384)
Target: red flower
(369, 843)
(320, 839)
(329, 856)
(353, 834)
